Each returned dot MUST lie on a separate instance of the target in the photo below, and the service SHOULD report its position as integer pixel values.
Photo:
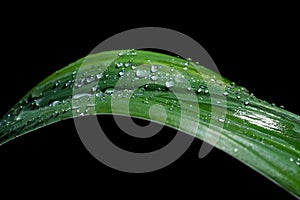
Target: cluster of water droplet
(295, 160)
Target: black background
(257, 48)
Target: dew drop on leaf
(18, 118)
(57, 83)
(90, 79)
(121, 73)
(141, 73)
(133, 67)
(221, 120)
(169, 84)
(118, 65)
(99, 76)
(109, 91)
(154, 68)
(94, 88)
(154, 78)
(54, 103)
(68, 83)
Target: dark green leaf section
(169, 90)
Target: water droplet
(121, 54)
(186, 64)
(18, 118)
(191, 105)
(225, 94)
(238, 97)
(206, 91)
(68, 83)
(55, 103)
(37, 101)
(142, 73)
(292, 159)
(133, 67)
(118, 65)
(94, 88)
(57, 83)
(169, 84)
(78, 96)
(185, 68)
(146, 102)
(121, 73)
(154, 78)
(154, 68)
(199, 90)
(127, 65)
(109, 91)
(221, 120)
(246, 103)
(281, 106)
(99, 76)
(90, 79)
(235, 150)
(189, 59)
(77, 85)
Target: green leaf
(195, 100)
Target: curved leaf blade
(263, 136)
